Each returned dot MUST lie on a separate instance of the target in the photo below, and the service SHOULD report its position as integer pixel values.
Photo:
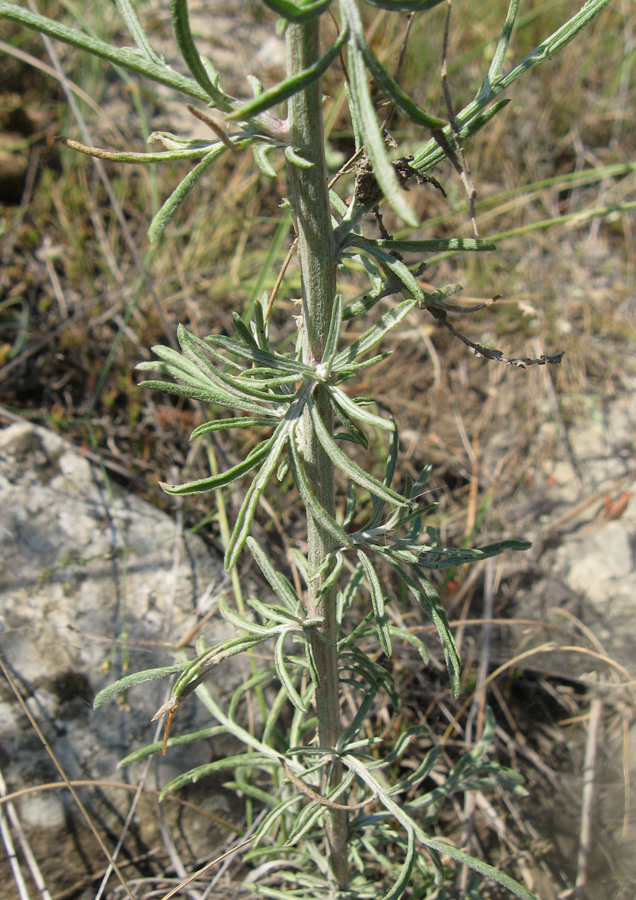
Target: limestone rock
(93, 581)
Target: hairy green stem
(310, 204)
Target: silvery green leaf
(335, 325)
(293, 13)
(345, 372)
(118, 56)
(350, 469)
(272, 817)
(172, 142)
(431, 154)
(402, 881)
(242, 331)
(178, 197)
(331, 579)
(262, 357)
(247, 760)
(256, 84)
(351, 506)
(290, 86)
(260, 152)
(337, 203)
(185, 42)
(282, 470)
(375, 675)
(274, 613)
(258, 485)
(296, 159)
(179, 741)
(196, 353)
(422, 771)
(377, 601)
(123, 684)
(355, 411)
(418, 487)
(457, 244)
(424, 591)
(278, 583)
(373, 139)
(408, 637)
(207, 395)
(374, 335)
(242, 624)
(198, 670)
(441, 557)
(145, 159)
(129, 15)
(500, 51)
(353, 432)
(434, 846)
(307, 819)
(393, 265)
(326, 521)
(203, 350)
(392, 90)
(286, 681)
(234, 422)
(214, 482)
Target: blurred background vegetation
(83, 296)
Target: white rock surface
(92, 579)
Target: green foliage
(328, 777)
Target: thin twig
(314, 795)
(29, 858)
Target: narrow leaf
(356, 411)
(214, 482)
(405, 5)
(118, 56)
(318, 512)
(373, 139)
(405, 872)
(333, 334)
(286, 89)
(247, 510)
(392, 90)
(119, 687)
(178, 197)
(458, 244)
(130, 17)
(185, 42)
(234, 422)
(377, 601)
(146, 159)
(278, 583)
(374, 335)
(286, 681)
(424, 591)
(293, 13)
(350, 469)
(438, 847)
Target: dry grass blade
(29, 857)
(589, 779)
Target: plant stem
(310, 204)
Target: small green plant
(337, 823)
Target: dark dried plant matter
(346, 784)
